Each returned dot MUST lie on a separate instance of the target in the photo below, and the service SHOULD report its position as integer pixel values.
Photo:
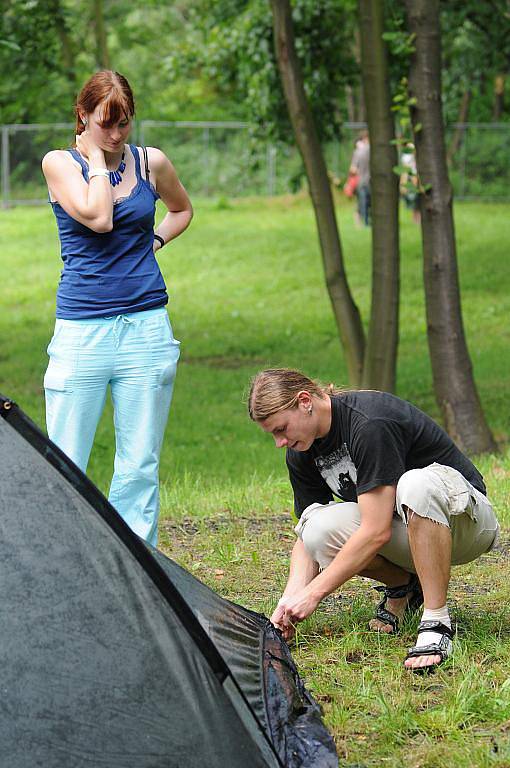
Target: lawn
(247, 291)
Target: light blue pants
(136, 354)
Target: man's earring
(310, 410)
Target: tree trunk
(458, 135)
(361, 113)
(346, 313)
(351, 107)
(102, 54)
(379, 369)
(66, 43)
(454, 384)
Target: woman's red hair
(112, 91)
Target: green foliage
(30, 63)
(402, 103)
(144, 48)
(205, 59)
(481, 166)
(476, 48)
(400, 42)
(47, 51)
(236, 53)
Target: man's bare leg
(431, 548)
(391, 575)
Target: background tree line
(212, 59)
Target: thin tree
(68, 50)
(346, 312)
(102, 53)
(454, 384)
(372, 364)
(379, 367)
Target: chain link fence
(221, 159)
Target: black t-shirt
(374, 438)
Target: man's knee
(315, 536)
(325, 529)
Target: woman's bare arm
(91, 204)
(173, 195)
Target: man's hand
(293, 609)
(288, 631)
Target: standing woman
(112, 327)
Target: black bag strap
(146, 161)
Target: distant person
(413, 504)
(112, 327)
(351, 185)
(360, 165)
(409, 182)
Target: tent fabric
(114, 655)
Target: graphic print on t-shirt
(339, 472)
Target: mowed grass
(247, 291)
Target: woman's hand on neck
(88, 149)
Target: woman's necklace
(116, 176)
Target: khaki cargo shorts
(438, 492)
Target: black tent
(112, 655)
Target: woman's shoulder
(157, 156)
(56, 154)
(160, 166)
(57, 158)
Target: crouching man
(412, 506)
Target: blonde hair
(277, 389)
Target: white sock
(433, 614)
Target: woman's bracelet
(159, 239)
(99, 172)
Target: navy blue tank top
(110, 273)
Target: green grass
(247, 291)
(378, 713)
